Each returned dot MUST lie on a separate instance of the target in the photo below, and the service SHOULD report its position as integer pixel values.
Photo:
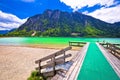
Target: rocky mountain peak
(59, 23)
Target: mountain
(4, 31)
(58, 23)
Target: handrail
(76, 43)
(113, 48)
(56, 54)
(53, 60)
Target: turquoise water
(51, 40)
(95, 66)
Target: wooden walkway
(72, 74)
(114, 62)
(77, 61)
(96, 66)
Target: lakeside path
(95, 66)
(16, 63)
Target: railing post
(64, 55)
(54, 64)
(69, 43)
(39, 66)
(110, 48)
(78, 43)
(107, 45)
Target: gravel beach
(16, 63)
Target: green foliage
(64, 31)
(20, 33)
(51, 32)
(2, 35)
(90, 31)
(35, 76)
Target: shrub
(36, 76)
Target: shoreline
(45, 46)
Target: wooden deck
(77, 62)
(74, 69)
(115, 62)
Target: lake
(50, 41)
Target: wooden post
(110, 48)
(69, 43)
(39, 66)
(64, 55)
(54, 63)
(107, 45)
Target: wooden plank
(50, 56)
(51, 73)
(56, 54)
(109, 43)
(77, 42)
(48, 74)
(117, 44)
(77, 45)
(67, 48)
(51, 64)
(66, 56)
(39, 67)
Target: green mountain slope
(58, 23)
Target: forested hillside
(58, 23)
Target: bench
(52, 61)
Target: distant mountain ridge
(59, 23)
(4, 31)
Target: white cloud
(109, 15)
(10, 21)
(78, 4)
(28, 0)
(106, 13)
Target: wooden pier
(72, 74)
(113, 60)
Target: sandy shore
(16, 63)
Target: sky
(14, 13)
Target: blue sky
(13, 13)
